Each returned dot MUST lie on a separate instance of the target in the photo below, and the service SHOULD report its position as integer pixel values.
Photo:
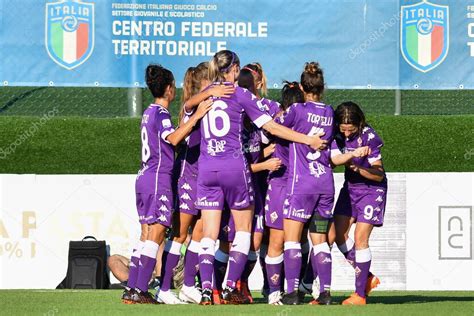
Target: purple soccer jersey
(360, 197)
(224, 173)
(310, 170)
(188, 162)
(153, 184)
(369, 138)
(272, 107)
(310, 180)
(221, 130)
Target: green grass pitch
(96, 302)
(76, 145)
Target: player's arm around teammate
(224, 178)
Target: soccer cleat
(324, 298)
(354, 299)
(233, 297)
(206, 297)
(275, 298)
(169, 298)
(303, 289)
(216, 297)
(372, 283)
(291, 298)
(190, 294)
(243, 287)
(143, 298)
(127, 296)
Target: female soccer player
(252, 78)
(195, 80)
(310, 186)
(153, 185)
(225, 177)
(362, 198)
(276, 195)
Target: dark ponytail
(312, 79)
(158, 79)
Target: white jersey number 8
(209, 121)
(145, 146)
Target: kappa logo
(163, 208)
(266, 208)
(70, 29)
(379, 199)
(186, 186)
(371, 136)
(184, 206)
(162, 218)
(163, 198)
(206, 261)
(298, 255)
(327, 260)
(380, 190)
(424, 31)
(185, 196)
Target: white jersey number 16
(209, 121)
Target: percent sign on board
(11, 249)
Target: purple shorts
(275, 203)
(227, 229)
(214, 188)
(257, 223)
(366, 204)
(302, 206)
(187, 190)
(155, 208)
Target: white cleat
(275, 298)
(190, 294)
(168, 297)
(316, 288)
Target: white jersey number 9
(209, 121)
(145, 147)
(368, 212)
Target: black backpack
(87, 265)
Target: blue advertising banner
(379, 44)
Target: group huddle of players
(250, 177)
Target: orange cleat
(354, 299)
(372, 283)
(216, 297)
(243, 288)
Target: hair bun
(312, 68)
